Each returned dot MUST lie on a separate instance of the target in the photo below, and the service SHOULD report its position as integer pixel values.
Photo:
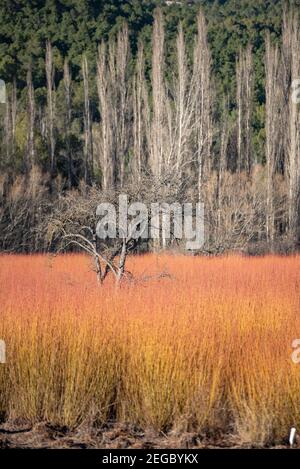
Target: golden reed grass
(208, 349)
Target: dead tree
(74, 224)
(88, 138)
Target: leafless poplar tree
(14, 105)
(122, 105)
(107, 156)
(30, 157)
(50, 104)
(184, 103)
(141, 117)
(88, 139)
(274, 105)
(158, 125)
(222, 166)
(8, 129)
(203, 111)
(68, 118)
(294, 129)
(244, 78)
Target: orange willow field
(206, 349)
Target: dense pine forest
(172, 100)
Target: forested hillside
(77, 27)
(192, 97)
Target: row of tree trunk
(169, 127)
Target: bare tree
(10, 121)
(122, 107)
(158, 125)
(203, 112)
(8, 130)
(141, 117)
(244, 77)
(50, 105)
(74, 224)
(30, 156)
(68, 119)
(294, 136)
(107, 156)
(88, 138)
(185, 97)
(14, 105)
(274, 104)
(222, 167)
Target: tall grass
(208, 349)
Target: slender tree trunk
(158, 96)
(68, 120)
(51, 106)
(8, 130)
(184, 103)
(203, 112)
(14, 105)
(244, 76)
(123, 104)
(106, 157)
(291, 70)
(294, 149)
(222, 164)
(30, 157)
(140, 116)
(88, 139)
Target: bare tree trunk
(8, 130)
(123, 108)
(273, 129)
(68, 120)
(184, 104)
(158, 95)
(51, 105)
(225, 128)
(88, 139)
(140, 116)
(203, 112)
(294, 150)
(106, 157)
(291, 51)
(30, 157)
(244, 76)
(14, 105)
